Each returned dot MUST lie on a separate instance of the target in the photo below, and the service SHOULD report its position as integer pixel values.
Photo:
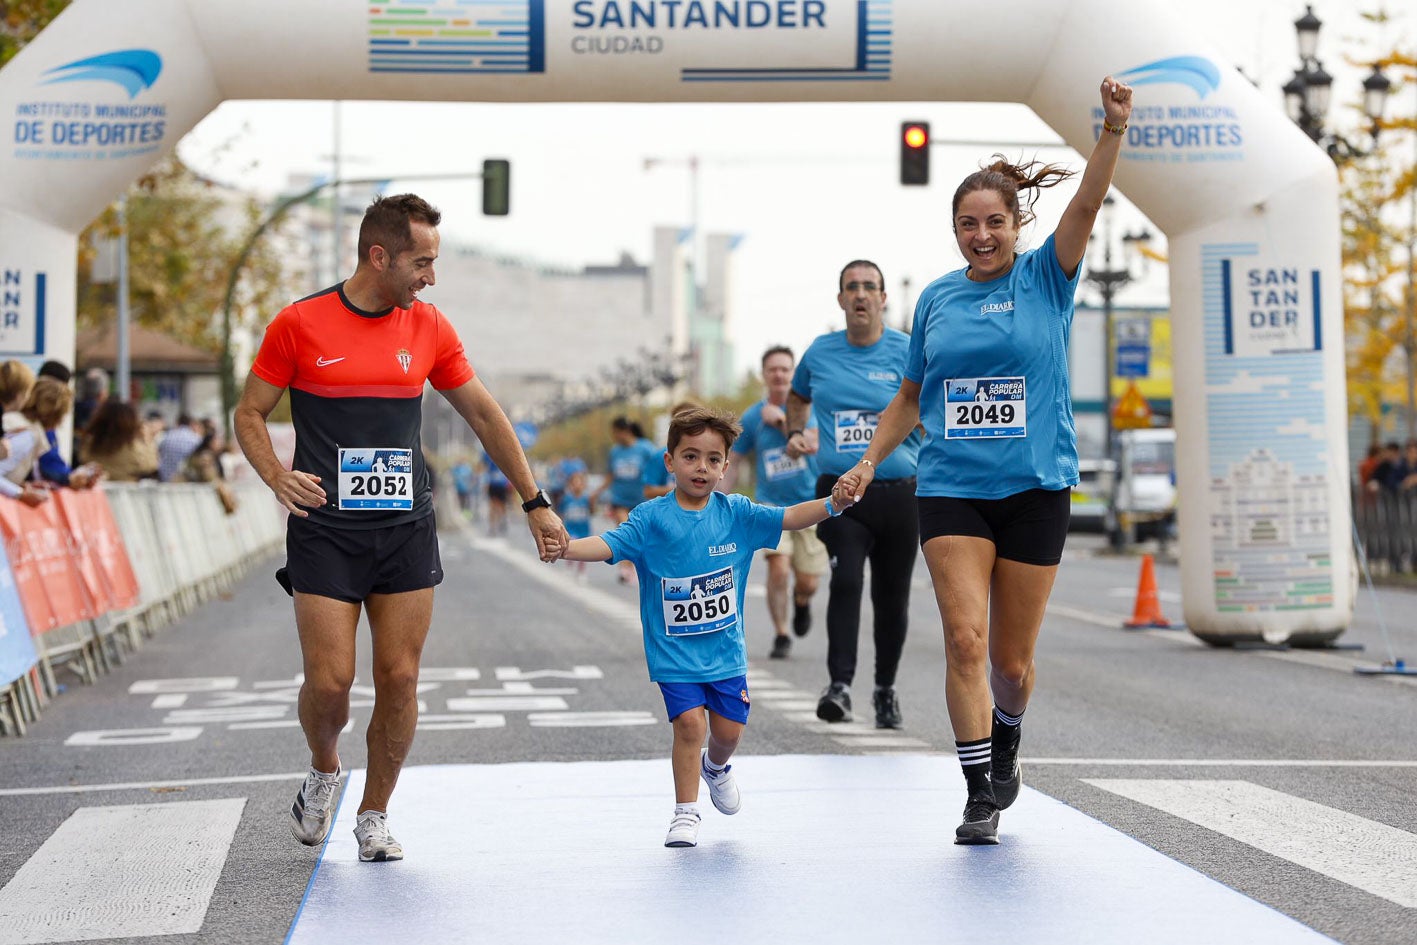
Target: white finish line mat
(826, 849)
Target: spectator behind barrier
(44, 408)
(176, 446)
(116, 441)
(52, 465)
(93, 391)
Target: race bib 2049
(705, 603)
(376, 478)
(985, 407)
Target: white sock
(712, 768)
(326, 774)
(690, 808)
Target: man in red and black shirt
(361, 533)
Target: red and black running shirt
(356, 381)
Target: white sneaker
(683, 830)
(375, 842)
(723, 787)
(313, 810)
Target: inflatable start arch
(1249, 205)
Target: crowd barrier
(87, 576)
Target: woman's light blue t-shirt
(991, 359)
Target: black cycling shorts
(1029, 527)
(349, 564)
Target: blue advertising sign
(1133, 347)
(17, 653)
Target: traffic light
(915, 153)
(496, 187)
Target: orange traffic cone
(1147, 612)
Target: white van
(1146, 487)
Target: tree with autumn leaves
(1379, 218)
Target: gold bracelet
(867, 462)
(1115, 129)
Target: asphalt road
(526, 665)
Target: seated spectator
(176, 446)
(52, 465)
(115, 441)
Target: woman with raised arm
(987, 377)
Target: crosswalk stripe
(120, 872)
(1374, 857)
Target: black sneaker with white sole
(1005, 773)
(981, 821)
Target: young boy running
(691, 550)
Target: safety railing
(88, 576)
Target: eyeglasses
(861, 287)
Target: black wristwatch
(792, 433)
(538, 501)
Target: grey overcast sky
(808, 186)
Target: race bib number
(985, 407)
(375, 478)
(854, 429)
(576, 513)
(778, 465)
(626, 469)
(703, 604)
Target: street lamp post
(1108, 281)
(1306, 99)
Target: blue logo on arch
(133, 69)
(1194, 72)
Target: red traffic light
(915, 153)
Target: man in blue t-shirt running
(800, 559)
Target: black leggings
(882, 528)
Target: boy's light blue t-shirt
(849, 386)
(693, 570)
(780, 479)
(991, 359)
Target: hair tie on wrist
(1115, 129)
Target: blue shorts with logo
(725, 697)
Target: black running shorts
(1029, 527)
(350, 564)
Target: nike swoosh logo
(326, 362)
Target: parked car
(1089, 512)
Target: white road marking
(120, 872)
(883, 741)
(132, 736)
(590, 719)
(1374, 857)
(148, 785)
(507, 704)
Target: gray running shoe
(313, 810)
(835, 703)
(376, 844)
(887, 708)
